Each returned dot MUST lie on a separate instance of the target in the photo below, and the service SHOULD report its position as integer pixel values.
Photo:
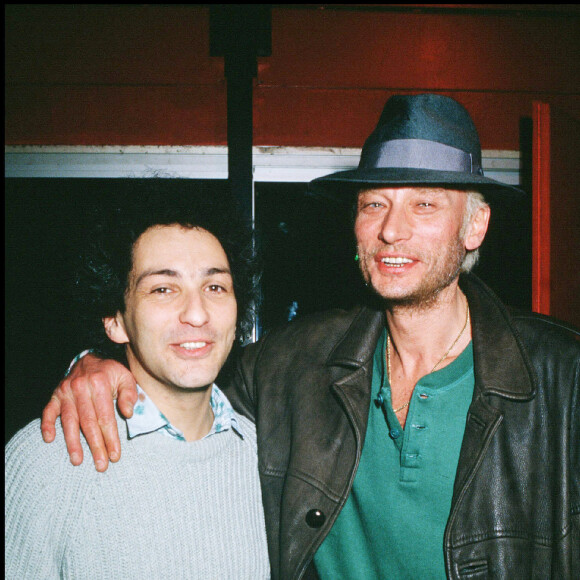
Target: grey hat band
(419, 154)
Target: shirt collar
(147, 418)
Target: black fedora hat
(425, 139)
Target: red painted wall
(142, 74)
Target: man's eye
(161, 290)
(371, 205)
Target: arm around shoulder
(85, 401)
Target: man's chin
(394, 294)
(184, 386)
(421, 297)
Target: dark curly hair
(105, 264)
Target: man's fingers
(105, 412)
(87, 417)
(127, 395)
(85, 400)
(49, 416)
(70, 426)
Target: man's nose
(194, 309)
(395, 226)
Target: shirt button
(395, 433)
(315, 518)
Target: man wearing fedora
(429, 432)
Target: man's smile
(395, 261)
(195, 349)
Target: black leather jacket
(515, 512)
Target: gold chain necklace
(436, 364)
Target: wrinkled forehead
(410, 190)
(454, 196)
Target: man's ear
(477, 228)
(115, 328)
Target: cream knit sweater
(167, 509)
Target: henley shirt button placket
(395, 433)
(315, 518)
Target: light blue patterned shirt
(147, 418)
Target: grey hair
(475, 201)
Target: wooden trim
(541, 209)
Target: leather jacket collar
(493, 334)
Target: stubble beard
(426, 294)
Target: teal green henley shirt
(392, 524)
